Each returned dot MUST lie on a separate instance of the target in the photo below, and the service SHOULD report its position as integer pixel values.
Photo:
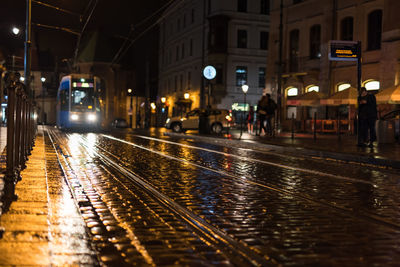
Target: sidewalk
(325, 146)
(43, 227)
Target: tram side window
(64, 100)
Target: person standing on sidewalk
(261, 114)
(270, 116)
(250, 120)
(367, 116)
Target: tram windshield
(82, 95)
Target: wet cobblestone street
(156, 200)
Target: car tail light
(228, 118)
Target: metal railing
(21, 132)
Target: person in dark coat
(270, 116)
(367, 116)
(261, 114)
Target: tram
(78, 102)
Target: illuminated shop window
(313, 88)
(372, 85)
(343, 86)
(292, 91)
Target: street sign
(209, 72)
(343, 51)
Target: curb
(347, 157)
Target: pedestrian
(250, 120)
(270, 116)
(367, 115)
(261, 114)
(138, 119)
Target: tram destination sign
(343, 50)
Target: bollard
(23, 133)
(292, 125)
(315, 126)
(10, 177)
(18, 129)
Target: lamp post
(130, 107)
(43, 79)
(245, 88)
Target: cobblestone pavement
(291, 210)
(43, 226)
(156, 200)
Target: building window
(176, 83)
(264, 36)
(343, 86)
(261, 77)
(219, 77)
(184, 20)
(178, 25)
(312, 88)
(293, 91)
(183, 51)
(181, 82)
(346, 29)
(192, 15)
(294, 50)
(242, 5)
(177, 53)
(297, 1)
(264, 8)
(291, 112)
(189, 80)
(241, 75)
(315, 41)
(372, 85)
(374, 30)
(242, 39)
(191, 48)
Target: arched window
(292, 91)
(312, 88)
(346, 29)
(343, 86)
(374, 30)
(372, 85)
(315, 41)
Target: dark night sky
(112, 17)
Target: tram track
(271, 187)
(210, 234)
(238, 252)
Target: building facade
(230, 35)
(308, 26)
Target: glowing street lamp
(245, 88)
(130, 93)
(15, 30)
(186, 95)
(43, 79)
(163, 100)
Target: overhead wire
(125, 47)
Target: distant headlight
(74, 117)
(92, 117)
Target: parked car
(219, 120)
(119, 123)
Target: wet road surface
(160, 201)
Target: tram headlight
(92, 117)
(74, 117)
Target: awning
(182, 101)
(345, 97)
(389, 95)
(308, 99)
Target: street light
(43, 79)
(163, 100)
(15, 30)
(245, 88)
(186, 95)
(130, 93)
